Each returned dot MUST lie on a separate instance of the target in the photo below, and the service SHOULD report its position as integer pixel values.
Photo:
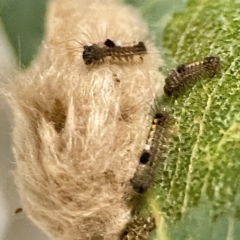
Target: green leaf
(198, 196)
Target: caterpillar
(186, 73)
(144, 175)
(138, 228)
(96, 54)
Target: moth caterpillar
(95, 54)
(186, 73)
(138, 228)
(144, 175)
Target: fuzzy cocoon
(78, 131)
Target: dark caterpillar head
(90, 54)
(161, 118)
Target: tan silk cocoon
(78, 131)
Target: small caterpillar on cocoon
(77, 130)
(95, 54)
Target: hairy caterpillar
(144, 175)
(95, 54)
(185, 73)
(138, 228)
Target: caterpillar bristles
(138, 228)
(188, 73)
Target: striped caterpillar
(138, 228)
(186, 73)
(144, 175)
(95, 54)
